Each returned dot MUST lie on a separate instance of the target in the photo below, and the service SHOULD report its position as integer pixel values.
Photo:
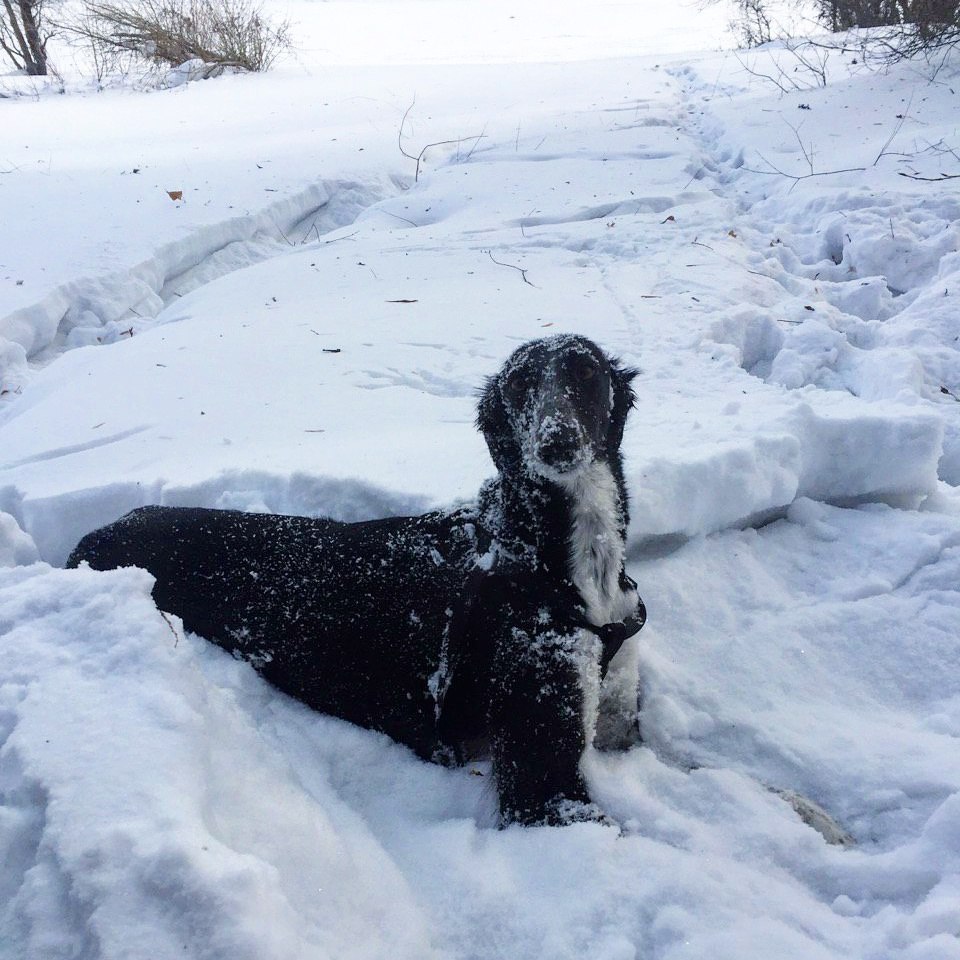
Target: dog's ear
(623, 401)
(493, 421)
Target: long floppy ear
(623, 401)
(493, 421)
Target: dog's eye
(586, 371)
(518, 383)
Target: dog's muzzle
(558, 439)
(560, 443)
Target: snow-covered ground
(304, 331)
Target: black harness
(612, 635)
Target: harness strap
(612, 635)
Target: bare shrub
(225, 33)
(902, 28)
(928, 26)
(898, 30)
(794, 65)
(752, 25)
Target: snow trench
(104, 309)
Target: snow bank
(127, 832)
(836, 453)
(16, 548)
(776, 659)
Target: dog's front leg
(537, 728)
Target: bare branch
(943, 176)
(418, 159)
(442, 143)
(776, 171)
(807, 155)
(512, 266)
(406, 113)
(397, 216)
(901, 119)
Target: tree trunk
(36, 65)
(20, 55)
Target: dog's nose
(558, 443)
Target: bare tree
(913, 27)
(845, 14)
(24, 36)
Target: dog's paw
(577, 811)
(561, 813)
(617, 733)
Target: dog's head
(557, 405)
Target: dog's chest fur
(596, 546)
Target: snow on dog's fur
(481, 629)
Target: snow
(305, 332)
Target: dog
(483, 630)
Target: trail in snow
(854, 271)
(103, 310)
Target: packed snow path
(159, 800)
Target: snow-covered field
(304, 331)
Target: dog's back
(349, 618)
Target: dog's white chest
(596, 547)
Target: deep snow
(792, 460)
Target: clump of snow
(861, 263)
(16, 547)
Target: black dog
(485, 628)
